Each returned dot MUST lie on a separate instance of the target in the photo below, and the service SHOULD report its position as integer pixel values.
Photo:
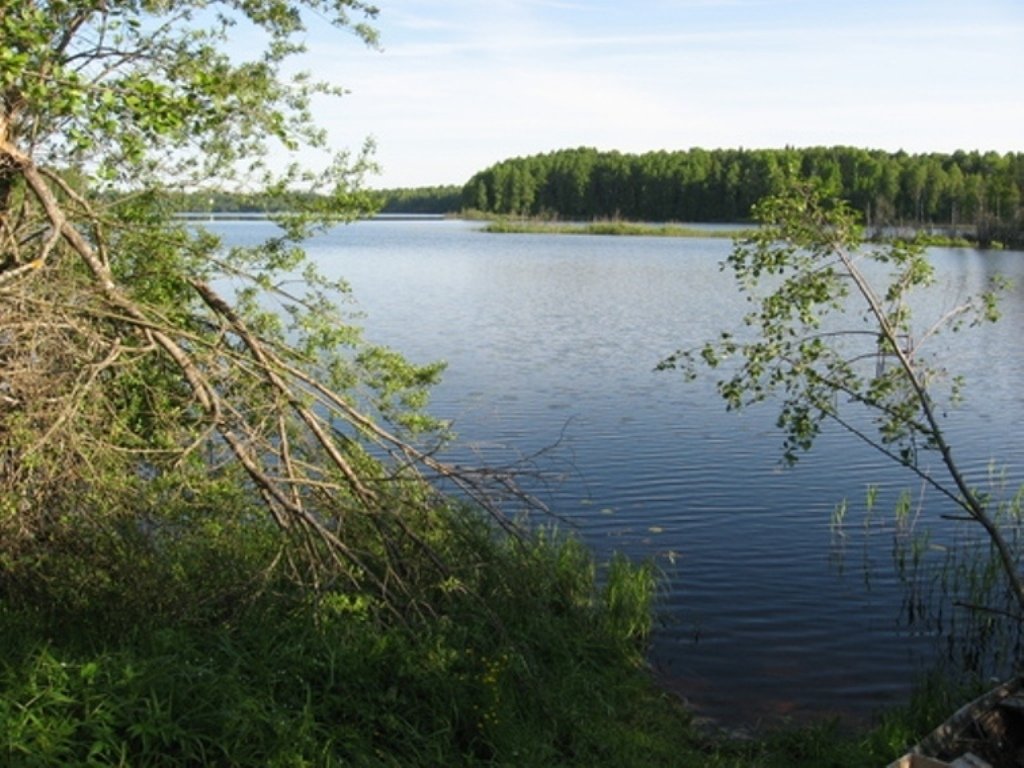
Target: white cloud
(463, 84)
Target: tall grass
(195, 646)
(197, 652)
(612, 227)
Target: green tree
(829, 341)
(723, 184)
(953, 204)
(129, 385)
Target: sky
(461, 84)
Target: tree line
(412, 200)
(976, 192)
(438, 199)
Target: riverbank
(195, 653)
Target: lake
(767, 610)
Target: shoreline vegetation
(617, 228)
(139, 660)
(960, 198)
(508, 225)
(612, 228)
(977, 192)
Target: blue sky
(461, 84)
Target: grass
(198, 651)
(610, 227)
(827, 743)
(117, 652)
(615, 227)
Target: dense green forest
(440, 199)
(411, 200)
(221, 201)
(978, 193)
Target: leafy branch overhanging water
(831, 338)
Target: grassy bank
(199, 649)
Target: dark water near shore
(551, 342)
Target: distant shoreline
(611, 228)
(267, 215)
(503, 225)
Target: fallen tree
(143, 365)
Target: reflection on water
(552, 341)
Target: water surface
(551, 344)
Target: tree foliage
(419, 200)
(147, 372)
(959, 190)
(831, 338)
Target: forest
(419, 200)
(406, 200)
(974, 193)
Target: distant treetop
(977, 191)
